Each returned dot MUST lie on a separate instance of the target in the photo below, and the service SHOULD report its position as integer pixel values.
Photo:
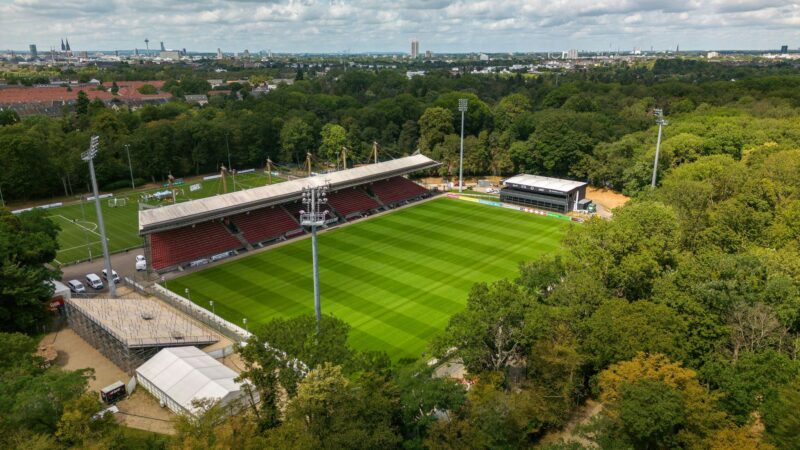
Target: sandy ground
(606, 200)
(141, 410)
(74, 353)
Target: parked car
(115, 276)
(76, 287)
(141, 263)
(94, 281)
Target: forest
(595, 125)
(680, 317)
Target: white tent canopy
(177, 376)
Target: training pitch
(79, 239)
(396, 279)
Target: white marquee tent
(178, 375)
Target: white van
(94, 281)
(116, 277)
(76, 287)
(141, 263)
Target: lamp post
(462, 106)
(661, 122)
(88, 156)
(245, 324)
(130, 167)
(188, 295)
(314, 197)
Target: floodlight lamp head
(462, 104)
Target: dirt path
(582, 416)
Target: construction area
(129, 331)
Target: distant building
(784, 49)
(414, 48)
(428, 54)
(483, 57)
(173, 55)
(197, 99)
(246, 54)
(572, 53)
(710, 55)
(34, 53)
(411, 74)
(219, 53)
(162, 47)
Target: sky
(332, 26)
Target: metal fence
(229, 329)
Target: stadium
(395, 278)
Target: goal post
(117, 202)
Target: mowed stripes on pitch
(396, 279)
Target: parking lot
(123, 263)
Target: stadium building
(199, 231)
(552, 194)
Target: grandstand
(192, 232)
(129, 331)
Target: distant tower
(34, 53)
(162, 47)
(219, 53)
(414, 48)
(136, 52)
(68, 49)
(678, 48)
(784, 49)
(63, 48)
(147, 44)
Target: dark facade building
(552, 194)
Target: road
(123, 263)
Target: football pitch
(79, 238)
(396, 279)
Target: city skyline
(441, 26)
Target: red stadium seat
(397, 189)
(182, 245)
(351, 201)
(263, 224)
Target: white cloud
(375, 25)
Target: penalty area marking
(78, 223)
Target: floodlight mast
(462, 106)
(660, 121)
(314, 197)
(88, 156)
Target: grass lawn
(80, 238)
(396, 279)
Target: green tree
(332, 412)
(618, 330)
(82, 104)
(80, 424)
(489, 335)
(333, 138)
(781, 418)
(114, 88)
(651, 414)
(297, 139)
(434, 125)
(8, 117)
(28, 243)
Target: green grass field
(80, 238)
(396, 279)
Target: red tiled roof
(127, 91)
